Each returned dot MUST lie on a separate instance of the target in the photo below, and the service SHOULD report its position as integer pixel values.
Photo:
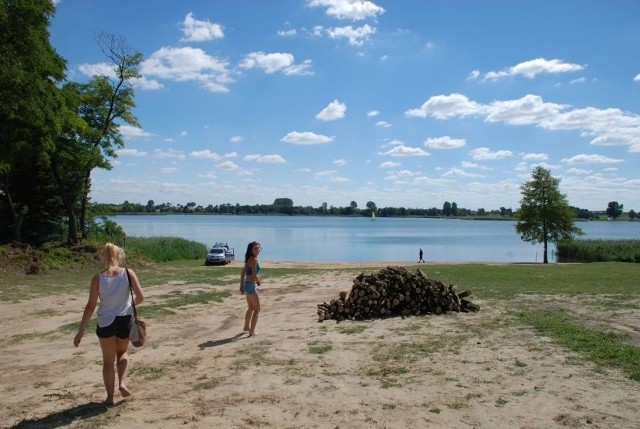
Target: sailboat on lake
(373, 216)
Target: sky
(405, 103)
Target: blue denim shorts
(250, 288)
(120, 328)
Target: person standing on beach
(249, 281)
(115, 315)
(420, 256)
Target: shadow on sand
(216, 343)
(66, 417)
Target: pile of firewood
(394, 291)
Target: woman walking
(248, 285)
(111, 288)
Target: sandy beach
(199, 370)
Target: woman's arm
(88, 309)
(135, 285)
(253, 263)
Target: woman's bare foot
(124, 391)
(109, 401)
(246, 329)
(252, 334)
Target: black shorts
(120, 328)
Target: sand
(199, 370)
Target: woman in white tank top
(111, 288)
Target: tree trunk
(546, 261)
(68, 204)
(14, 228)
(85, 201)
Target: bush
(599, 251)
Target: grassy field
(572, 303)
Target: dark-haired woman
(249, 281)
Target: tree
(544, 214)
(632, 214)
(30, 70)
(454, 208)
(108, 99)
(371, 206)
(446, 208)
(614, 209)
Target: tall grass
(163, 249)
(599, 251)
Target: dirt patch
(482, 370)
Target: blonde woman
(115, 314)
(249, 281)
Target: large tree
(30, 70)
(614, 209)
(108, 102)
(544, 214)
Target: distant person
(115, 314)
(248, 285)
(420, 256)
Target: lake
(349, 239)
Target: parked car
(219, 254)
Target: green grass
(600, 250)
(602, 347)
(163, 249)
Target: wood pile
(394, 291)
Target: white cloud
(236, 139)
(607, 126)
(475, 74)
(287, 33)
(486, 153)
(306, 138)
(98, 69)
(195, 30)
(579, 171)
(331, 176)
(532, 68)
(584, 158)
(131, 152)
(446, 106)
(535, 157)
(168, 153)
(228, 165)
(188, 64)
(335, 110)
(372, 113)
(204, 154)
(339, 162)
(445, 142)
(383, 124)
(349, 9)
(637, 78)
(128, 131)
(457, 172)
(402, 150)
(389, 164)
(467, 164)
(356, 36)
(266, 159)
(270, 63)
(168, 170)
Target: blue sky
(404, 103)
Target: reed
(599, 251)
(164, 249)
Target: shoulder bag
(138, 334)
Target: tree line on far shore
(285, 206)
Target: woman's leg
(122, 345)
(254, 304)
(108, 346)
(247, 314)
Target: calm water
(342, 239)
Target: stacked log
(395, 291)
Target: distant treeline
(285, 206)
